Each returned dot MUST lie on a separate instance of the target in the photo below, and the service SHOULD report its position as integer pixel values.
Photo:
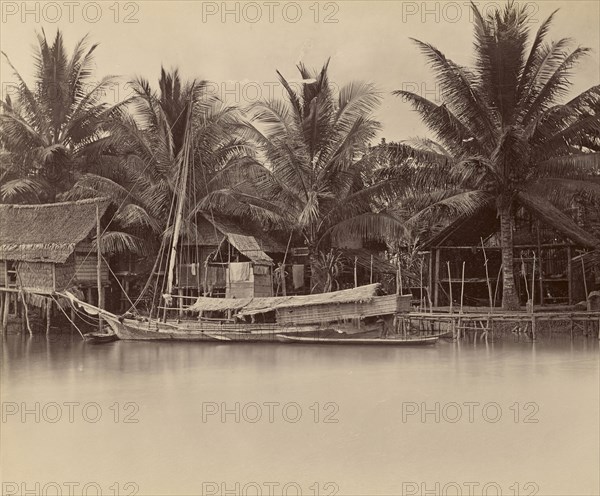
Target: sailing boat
(238, 319)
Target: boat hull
(99, 338)
(430, 340)
(133, 330)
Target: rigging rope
(122, 202)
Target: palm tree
(503, 138)
(137, 164)
(313, 182)
(46, 130)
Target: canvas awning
(249, 306)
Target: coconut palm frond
(118, 242)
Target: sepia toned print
(300, 248)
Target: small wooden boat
(100, 337)
(392, 341)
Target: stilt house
(48, 248)
(546, 246)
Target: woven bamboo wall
(3, 274)
(86, 260)
(64, 274)
(36, 276)
(315, 314)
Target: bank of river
(174, 418)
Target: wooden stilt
(5, 311)
(572, 328)
(2, 299)
(584, 279)
(487, 276)
(450, 287)
(26, 314)
(436, 277)
(48, 315)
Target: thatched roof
(552, 216)
(46, 233)
(247, 239)
(248, 306)
(468, 230)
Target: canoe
(100, 337)
(360, 341)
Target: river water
(466, 418)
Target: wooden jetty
(461, 323)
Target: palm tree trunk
(510, 300)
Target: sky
(239, 45)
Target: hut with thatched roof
(48, 248)
(546, 244)
(223, 257)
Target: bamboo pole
(584, 279)
(450, 286)
(436, 277)
(48, 315)
(462, 287)
(421, 287)
(570, 274)
(371, 275)
(533, 284)
(3, 296)
(6, 311)
(99, 267)
(398, 276)
(26, 314)
(524, 275)
(487, 276)
(497, 283)
(355, 272)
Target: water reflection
(376, 446)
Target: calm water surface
(522, 418)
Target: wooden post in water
(584, 279)
(99, 266)
(398, 276)
(2, 300)
(532, 283)
(570, 274)
(421, 288)
(180, 293)
(436, 277)
(48, 315)
(450, 286)
(462, 287)
(487, 276)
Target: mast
(181, 190)
(99, 266)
